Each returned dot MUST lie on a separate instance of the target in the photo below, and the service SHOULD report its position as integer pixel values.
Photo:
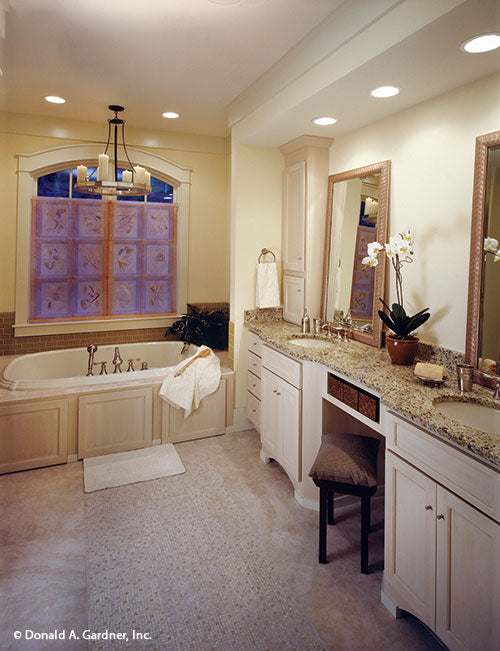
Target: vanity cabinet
(281, 411)
(442, 554)
(305, 184)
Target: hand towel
(267, 293)
(199, 380)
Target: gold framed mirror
(482, 344)
(357, 214)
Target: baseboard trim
(342, 500)
(240, 421)
(389, 604)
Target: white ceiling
(197, 58)
(151, 56)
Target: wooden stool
(345, 464)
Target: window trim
(29, 168)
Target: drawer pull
(440, 516)
(278, 393)
(428, 507)
(253, 411)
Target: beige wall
(256, 215)
(209, 216)
(431, 148)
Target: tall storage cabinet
(304, 213)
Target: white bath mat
(131, 467)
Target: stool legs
(331, 495)
(323, 499)
(365, 530)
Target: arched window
(122, 262)
(62, 184)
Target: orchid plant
(491, 246)
(399, 250)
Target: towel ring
(265, 252)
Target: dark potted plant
(202, 327)
(402, 346)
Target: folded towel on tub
(196, 381)
(267, 293)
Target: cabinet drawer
(283, 366)
(254, 364)
(253, 410)
(255, 344)
(466, 477)
(253, 384)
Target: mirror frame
(483, 143)
(383, 168)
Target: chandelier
(106, 183)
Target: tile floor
(42, 561)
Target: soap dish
(432, 382)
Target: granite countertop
(397, 386)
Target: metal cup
(465, 377)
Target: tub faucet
(91, 349)
(117, 361)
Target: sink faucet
(496, 379)
(91, 349)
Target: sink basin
(480, 417)
(311, 343)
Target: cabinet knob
(299, 291)
(440, 516)
(428, 507)
(254, 410)
(299, 258)
(278, 393)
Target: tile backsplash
(10, 345)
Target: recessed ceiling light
(324, 121)
(385, 91)
(171, 115)
(483, 43)
(54, 99)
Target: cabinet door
(468, 576)
(294, 218)
(270, 414)
(410, 547)
(290, 430)
(293, 299)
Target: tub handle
(144, 366)
(103, 367)
(131, 361)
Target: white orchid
(399, 249)
(369, 261)
(408, 237)
(374, 249)
(490, 244)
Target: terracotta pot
(401, 351)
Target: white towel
(199, 380)
(267, 293)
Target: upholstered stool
(345, 464)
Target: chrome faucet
(91, 349)
(496, 379)
(117, 361)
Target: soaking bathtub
(62, 369)
(54, 413)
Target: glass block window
(62, 184)
(94, 259)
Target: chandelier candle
(106, 181)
